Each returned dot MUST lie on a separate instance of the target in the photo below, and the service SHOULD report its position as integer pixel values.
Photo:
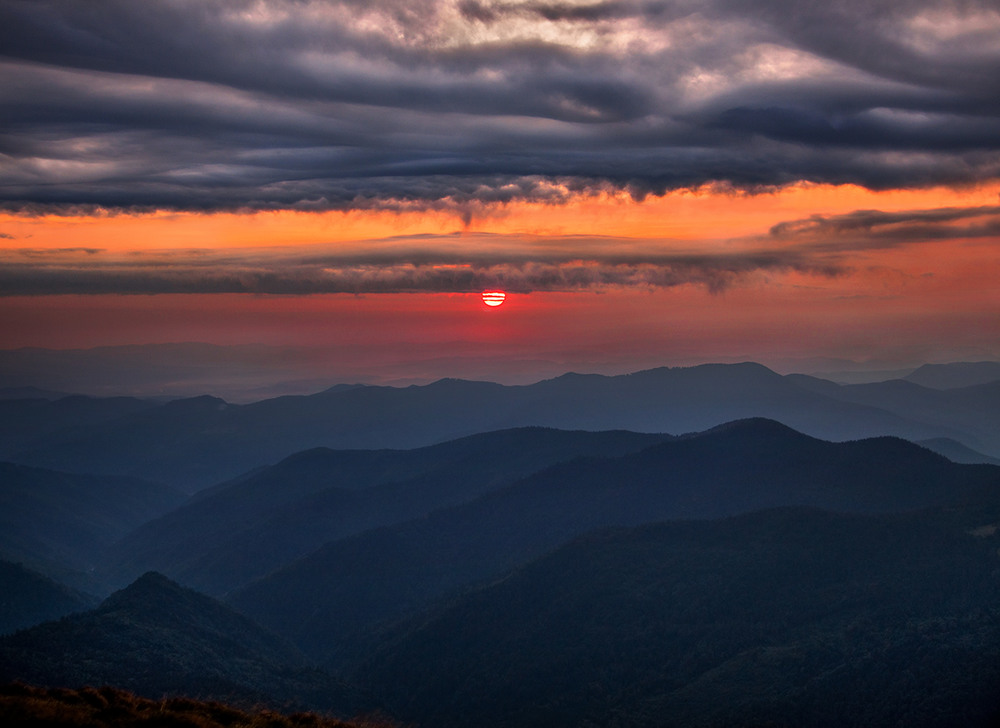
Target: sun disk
(494, 298)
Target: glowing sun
(494, 298)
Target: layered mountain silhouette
(26, 420)
(343, 590)
(787, 617)
(475, 554)
(955, 374)
(971, 409)
(61, 523)
(156, 638)
(957, 452)
(242, 530)
(30, 598)
(197, 442)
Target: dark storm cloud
(313, 105)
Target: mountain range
(193, 443)
(955, 374)
(338, 594)
(241, 530)
(61, 523)
(465, 553)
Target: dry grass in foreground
(107, 707)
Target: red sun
(494, 298)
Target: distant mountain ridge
(60, 523)
(24, 421)
(956, 374)
(350, 585)
(31, 393)
(244, 529)
(197, 442)
(957, 452)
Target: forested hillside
(786, 617)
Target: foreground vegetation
(24, 705)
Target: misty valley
(717, 545)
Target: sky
(807, 184)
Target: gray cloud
(315, 105)
(144, 276)
(876, 229)
(817, 245)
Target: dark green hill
(241, 531)
(28, 598)
(348, 586)
(780, 618)
(59, 523)
(156, 638)
(197, 442)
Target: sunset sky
(652, 182)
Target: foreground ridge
(27, 705)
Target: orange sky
(929, 301)
(698, 216)
(933, 300)
(395, 159)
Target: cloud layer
(388, 104)
(823, 246)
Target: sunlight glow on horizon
(906, 300)
(701, 216)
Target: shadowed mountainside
(61, 523)
(344, 589)
(156, 638)
(30, 598)
(240, 531)
(699, 622)
(787, 617)
(971, 410)
(24, 421)
(957, 452)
